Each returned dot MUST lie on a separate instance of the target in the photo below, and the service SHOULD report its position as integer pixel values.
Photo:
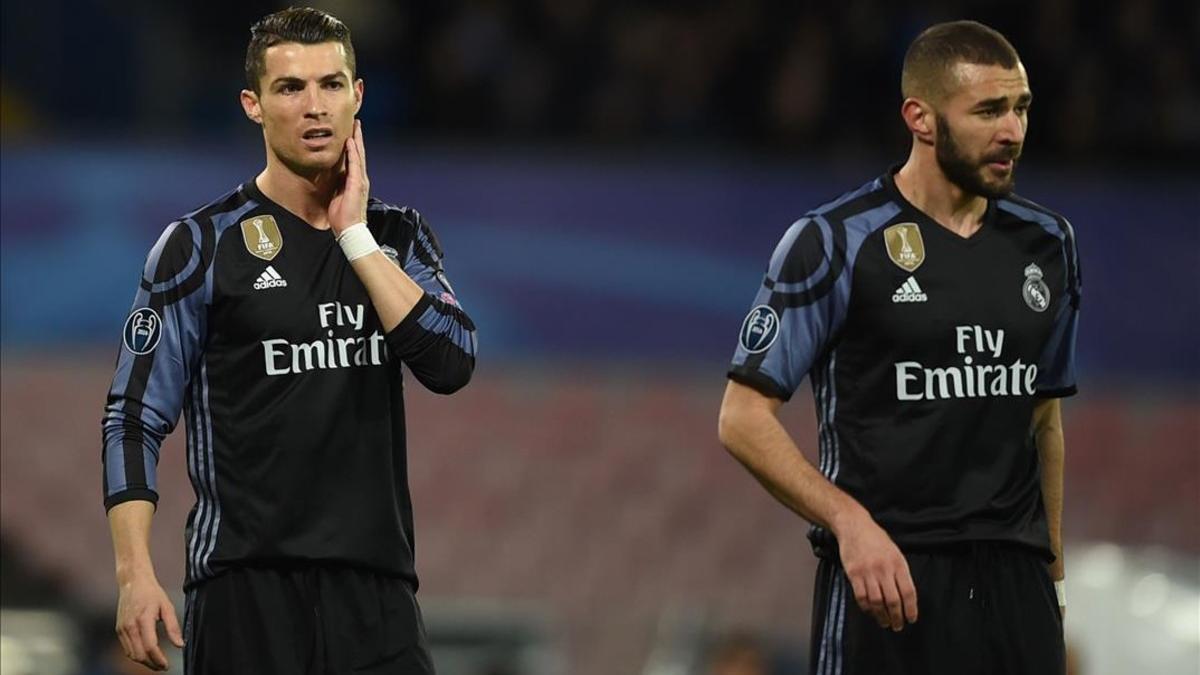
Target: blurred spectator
(810, 77)
(737, 654)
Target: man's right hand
(143, 603)
(749, 427)
(878, 572)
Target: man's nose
(315, 105)
(1012, 129)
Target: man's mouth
(1003, 162)
(317, 136)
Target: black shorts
(304, 621)
(984, 608)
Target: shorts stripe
(830, 661)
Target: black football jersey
(927, 352)
(255, 326)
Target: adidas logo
(269, 279)
(909, 291)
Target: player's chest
(287, 281)
(930, 291)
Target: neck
(924, 184)
(305, 196)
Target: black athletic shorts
(310, 620)
(984, 608)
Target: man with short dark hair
(935, 313)
(276, 318)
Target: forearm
(756, 438)
(393, 293)
(1051, 449)
(129, 523)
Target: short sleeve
(1056, 367)
(794, 314)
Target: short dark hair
(942, 46)
(304, 25)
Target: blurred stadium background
(608, 179)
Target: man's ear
(358, 95)
(251, 106)
(919, 118)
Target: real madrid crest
(905, 246)
(1034, 290)
(262, 237)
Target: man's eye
(290, 88)
(333, 85)
(990, 113)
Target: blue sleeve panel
(161, 345)
(804, 296)
(794, 312)
(1056, 368)
(436, 339)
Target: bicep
(741, 397)
(743, 409)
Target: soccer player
(277, 318)
(935, 313)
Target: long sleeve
(160, 349)
(437, 338)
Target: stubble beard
(968, 174)
(309, 166)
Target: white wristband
(357, 241)
(1060, 589)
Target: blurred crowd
(1116, 84)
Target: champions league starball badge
(143, 328)
(760, 329)
(1034, 290)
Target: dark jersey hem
(1056, 393)
(290, 564)
(756, 380)
(828, 548)
(130, 495)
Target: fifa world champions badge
(905, 246)
(760, 329)
(1034, 290)
(262, 237)
(143, 328)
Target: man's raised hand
(349, 203)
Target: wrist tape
(357, 241)
(1060, 589)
